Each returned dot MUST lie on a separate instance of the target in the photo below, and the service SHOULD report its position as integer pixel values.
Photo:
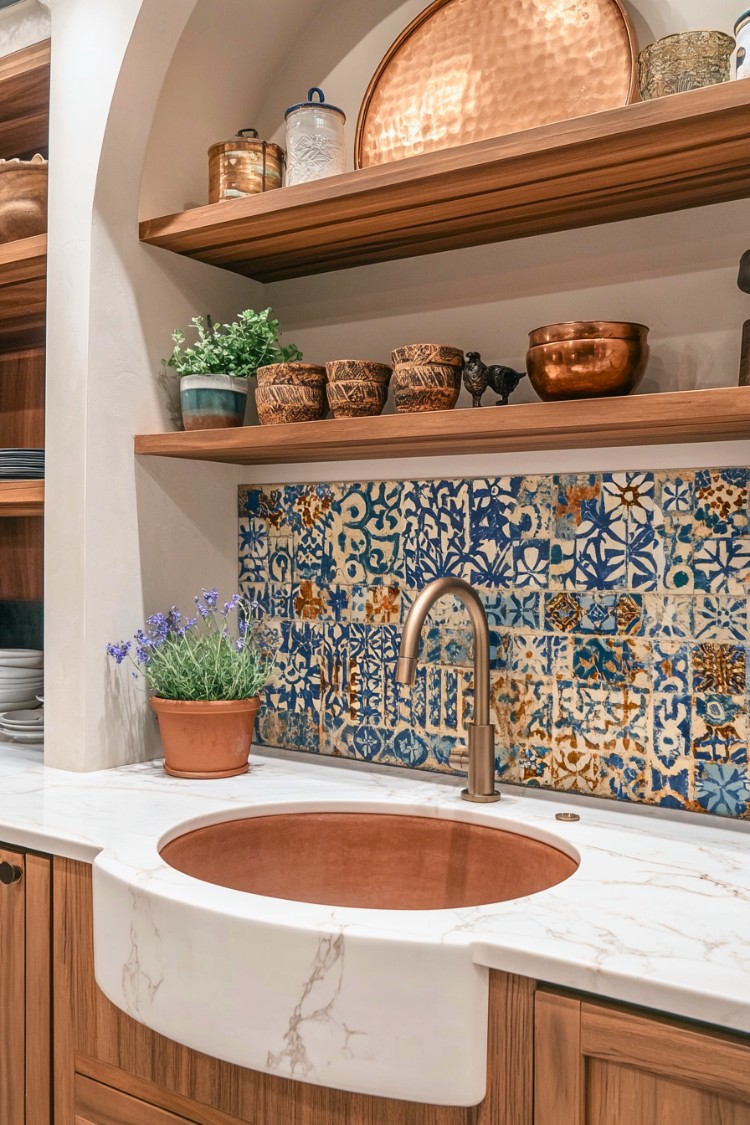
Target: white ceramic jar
(742, 35)
(314, 140)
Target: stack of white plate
(25, 727)
(21, 678)
(21, 464)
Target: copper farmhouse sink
(376, 861)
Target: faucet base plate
(480, 798)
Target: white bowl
(20, 695)
(13, 674)
(21, 658)
(20, 705)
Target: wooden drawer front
(12, 996)
(102, 1105)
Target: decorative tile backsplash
(618, 605)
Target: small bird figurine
(478, 377)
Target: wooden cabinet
(601, 1064)
(554, 1059)
(25, 988)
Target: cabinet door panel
(627, 1096)
(101, 1105)
(12, 996)
(600, 1064)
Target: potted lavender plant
(205, 674)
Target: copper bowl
(280, 404)
(365, 370)
(588, 330)
(568, 369)
(355, 398)
(291, 374)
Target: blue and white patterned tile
(674, 492)
(722, 788)
(720, 728)
(722, 565)
(562, 564)
(437, 515)
(531, 564)
(679, 562)
(667, 616)
(720, 618)
(367, 533)
(671, 667)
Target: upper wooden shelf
(24, 100)
(21, 498)
(23, 291)
(684, 416)
(664, 155)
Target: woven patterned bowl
(419, 354)
(363, 370)
(416, 400)
(686, 61)
(281, 404)
(23, 198)
(428, 375)
(354, 398)
(291, 374)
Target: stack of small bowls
(290, 392)
(357, 388)
(426, 377)
(587, 359)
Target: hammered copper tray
(470, 70)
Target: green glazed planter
(212, 402)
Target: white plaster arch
(112, 304)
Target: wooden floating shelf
(23, 291)
(682, 416)
(682, 151)
(21, 498)
(24, 100)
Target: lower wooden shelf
(21, 498)
(655, 419)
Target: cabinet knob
(9, 873)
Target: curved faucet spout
(481, 732)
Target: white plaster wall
(23, 24)
(120, 541)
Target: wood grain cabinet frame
(25, 991)
(600, 1064)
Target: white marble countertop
(658, 913)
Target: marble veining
(618, 605)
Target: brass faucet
(481, 733)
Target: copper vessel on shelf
(587, 359)
(244, 165)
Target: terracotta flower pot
(206, 740)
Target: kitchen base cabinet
(111, 1070)
(600, 1064)
(25, 988)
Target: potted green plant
(205, 674)
(214, 371)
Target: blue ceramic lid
(742, 21)
(312, 104)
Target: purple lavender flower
(119, 652)
(211, 597)
(201, 608)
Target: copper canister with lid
(245, 165)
